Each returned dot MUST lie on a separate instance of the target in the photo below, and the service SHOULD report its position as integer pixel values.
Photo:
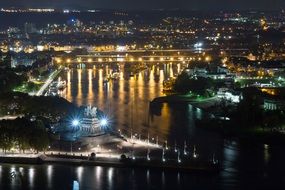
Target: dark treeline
(9, 80)
(200, 86)
(48, 107)
(23, 134)
(250, 113)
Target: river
(126, 102)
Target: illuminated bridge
(158, 56)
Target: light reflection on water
(49, 176)
(125, 100)
(31, 177)
(238, 175)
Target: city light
(104, 122)
(58, 60)
(198, 45)
(75, 122)
(227, 67)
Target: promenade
(110, 160)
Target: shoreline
(227, 131)
(196, 167)
(177, 98)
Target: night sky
(150, 4)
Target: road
(48, 81)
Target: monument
(90, 123)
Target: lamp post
(185, 148)
(156, 140)
(163, 158)
(195, 155)
(178, 157)
(147, 156)
(175, 147)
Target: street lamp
(104, 122)
(75, 122)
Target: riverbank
(83, 160)
(199, 102)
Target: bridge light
(161, 59)
(58, 60)
(208, 58)
(68, 60)
(89, 60)
(100, 60)
(132, 59)
(171, 58)
(151, 59)
(140, 59)
(79, 60)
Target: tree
(181, 84)
(8, 59)
(23, 134)
(200, 85)
(249, 111)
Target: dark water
(126, 101)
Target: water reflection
(31, 177)
(79, 173)
(98, 176)
(125, 99)
(49, 175)
(90, 84)
(148, 177)
(163, 180)
(110, 177)
(79, 86)
(1, 174)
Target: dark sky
(150, 4)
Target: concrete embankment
(21, 160)
(199, 167)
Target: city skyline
(148, 4)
